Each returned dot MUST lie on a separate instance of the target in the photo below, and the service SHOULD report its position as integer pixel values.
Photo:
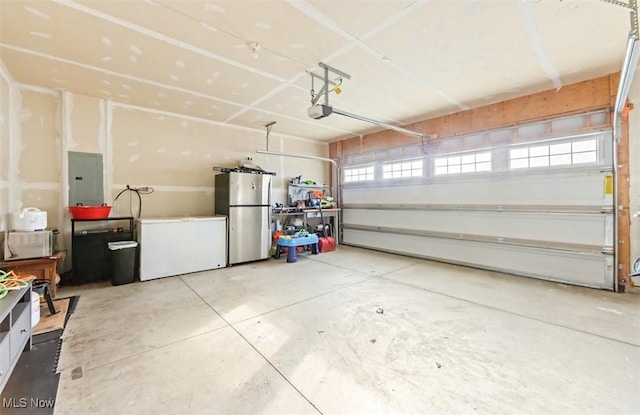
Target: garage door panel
(583, 229)
(593, 270)
(578, 189)
(554, 221)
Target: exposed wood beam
(580, 97)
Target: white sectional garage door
(541, 208)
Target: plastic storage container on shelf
(90, 212)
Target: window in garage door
(463, 163)
(412, 168)
(560, 154)
(358, 174)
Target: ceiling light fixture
(255, 47)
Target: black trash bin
(122, 261)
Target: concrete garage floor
(272, 337)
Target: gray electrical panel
(85, 179)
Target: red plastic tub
(90, 212)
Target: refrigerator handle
(269, 194)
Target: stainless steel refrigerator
(245, 198)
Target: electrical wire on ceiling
(139, 191)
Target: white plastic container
(29, 219)
(35, 308)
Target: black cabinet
(90, 253)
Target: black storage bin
(122, 261)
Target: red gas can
(326, 243)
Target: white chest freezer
(174, 246)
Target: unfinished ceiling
(408, 60)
